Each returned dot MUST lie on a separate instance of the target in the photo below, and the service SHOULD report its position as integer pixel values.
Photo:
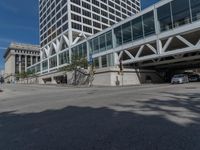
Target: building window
(181, 12)
(148, 24)
(53, 62)
(127, 32)
(164, 17)
(45, 65)
(195, 7)
(137, 28)
(118, 35)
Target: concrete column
(31, 60)
(100, 62)
(57, 60)
(116, 58)
(69, 30)
(37, 59)
(26, 63)
(20, 63)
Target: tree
(76, 62)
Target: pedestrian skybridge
(166, 32)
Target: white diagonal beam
(120, 55)
(129, 54)
(167, 44)
(151, 48)
(198, 43)
(76, 40)
(139, 51)
(66, 40)
(184, 41)
(55, 47)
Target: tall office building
(86, 17)
(66, 22)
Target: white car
(179, 79)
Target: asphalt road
(150, 117)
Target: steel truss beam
(135, 54)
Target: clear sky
(19, 22)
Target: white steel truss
(175, 46)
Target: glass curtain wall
(53, 62)
(164, 17)
(101, 43)
(38, 67)
(148, 23)
(137, 28)
(180, 12)
(195, 9)
(64, 58)
(80, 51)
(127, 32)
(45, 65)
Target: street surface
(149, 117)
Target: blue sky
(19, 22)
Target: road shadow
(86, 128)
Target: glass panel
(53, 51)
(109, 44)
(195, 6)
(63, 58)
(53, 62)
(38, 68)
(118, 35)
(148, 23)
(80, 51)
(181, 12)
(96, 45)
(137, 28)
(45, 65)
(96, 62)
(164, 17)
(84, 50)
(104, 60)
(127, 34)
(102, 43)
(91, 46)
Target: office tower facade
(63, 23)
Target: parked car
(193, 77)
(179, 79)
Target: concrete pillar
(26, 63)
(37, 58)
(31, 60)
(116, 59)
(20, 63)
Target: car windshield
(179, 76)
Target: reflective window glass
(45, 65)
(104, 61)
(164, 17)
(195, 6)
(53, 62)
(118, 35)
(137, 28)
(96, 45)
(127, 34)
(109, 44)
(180, 12)
(102, 43)
(148, 23)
